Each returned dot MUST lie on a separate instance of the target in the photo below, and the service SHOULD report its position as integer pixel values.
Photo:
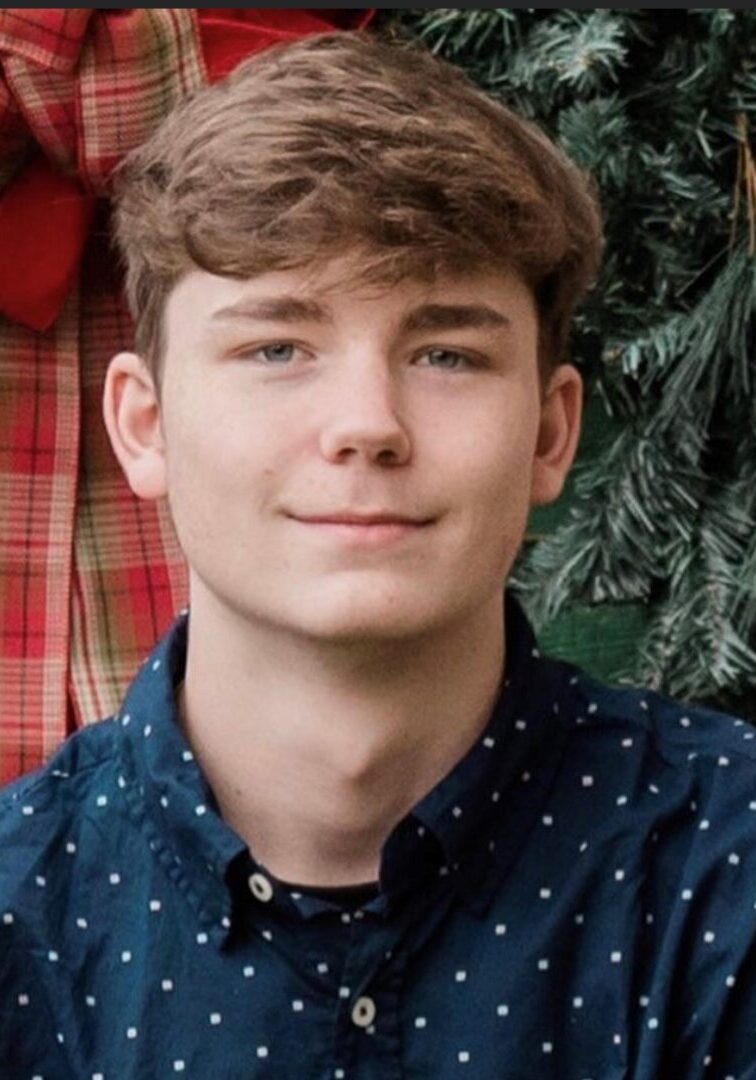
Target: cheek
(219, 462)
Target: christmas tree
(658, 106)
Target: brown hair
(340, 141)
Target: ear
(558, 434)
(131, 411)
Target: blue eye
(279, 351)
(436, 353)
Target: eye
(447, 359)
(277, 352)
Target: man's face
(284, 399)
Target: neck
(315, 753)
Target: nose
(364, 418)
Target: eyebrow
(452, 317)
(425, 317)
(275, 309)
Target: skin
(330, 684)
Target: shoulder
(685, 737)
(41, 813)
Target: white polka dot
(131, 1033)
(23, 999)
(587, 781)
(102, 800)
(730, 981)
(420, 1022)
(621, 800)
(8, 918)
(155, 905)
(41, 881)
(90, 1000)
(115, 879)
(580, 919)
(323, 968)
(521, 725)
(215, 1019)
(502, 1010)
(202, 938)
(543, 965)
(27, 810)
(687, 894)
(344, 992)
(619, 875)
(463, 1056)
(187, 755)
(723, 761)
(147, 730)
(733, 859)
(262, 1051)
(200, 810)
(684, 721)
(547, 1047)
(501, 929)
(71, 848)
(653, 789)
(704, 824)
(548, 820)
(545, 894)
(643, 1001)
(179, 1066)
(577, 1002)
(460, 976)
(297, 1005)
(617, 1040)
(82, 924)
(167, 985)
(653, 1023)
(52, 956)
(156, 665)
(709, 936)
(583, 846)
(488, 742)
(126, 957)
(616, 957)
(627, 743)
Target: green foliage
(648, 102)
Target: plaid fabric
(90, 576)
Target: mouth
(361, 532)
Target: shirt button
(363, 1013)
(261, 887)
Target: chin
(363, 619)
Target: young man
(348, 821)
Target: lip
(360, 533)
(377, 518)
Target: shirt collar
(449, 832)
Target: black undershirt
(346, 896)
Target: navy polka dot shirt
(575, 900)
